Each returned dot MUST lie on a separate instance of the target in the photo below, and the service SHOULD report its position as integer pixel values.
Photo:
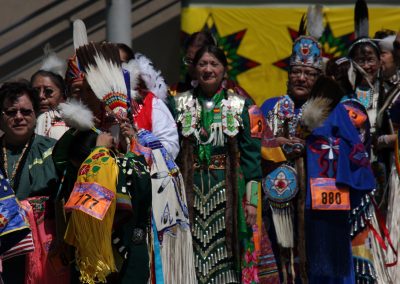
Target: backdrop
(257, 39)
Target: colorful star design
(331, 46)
(230, 44)
(3, 221)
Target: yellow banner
(258, 39)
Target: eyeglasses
(48, 92)
(14, 112)
(307, 74)
(366, 61)
(187, 61)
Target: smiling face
(50, 95)
(210, 73)
(18, 120)
(301, 80)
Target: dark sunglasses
(48, 92)
(14, 112)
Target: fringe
(392, 221)
(178, 258)
(283, 222)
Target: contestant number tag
(326, 196)
(90, 198)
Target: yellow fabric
(92, 237)
(273, 154)
(267, 38)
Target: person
(282, 115)
(196, 41)
(49, 83)
(125, 52)
(145, 118)
(221, 186)
(385, 39)
(26, 163)
(338, 175)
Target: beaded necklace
(17, 164)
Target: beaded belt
(217, 162)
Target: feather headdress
(361, 23)
(52, 63)
(102, 66)
(152, 77)
(315, 25)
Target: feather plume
(77, 115)
(104, 74)
(80, 34)
(361, 23)
(315, 25)
(52, 63)
(302, 26)
(315, 112)
(153, 79)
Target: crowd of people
(109, 175)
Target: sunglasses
(14, 112)
(48, 92)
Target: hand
(250, 213)
(105, 140)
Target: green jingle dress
(217, 167)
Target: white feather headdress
(143, 67)
(315, 26)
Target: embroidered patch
(326, 196)
(281, 184)
(188, 119)
(357, 116)
(90, 198)
(257, 123)
(359, 156)
(230, 123)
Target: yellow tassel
(90, 236)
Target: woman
(221, 184)
(338, 174)
(27, 164)
(49, 83)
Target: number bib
(326, 196)
(90, 198)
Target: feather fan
(361, 23)
(77, 115)
(315, 112)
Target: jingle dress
(216, 170)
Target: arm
(164, 127)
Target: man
(282, 115)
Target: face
(18, 120)
(50, 95)
(123, 56)
(367, 58)
(387, 63)
(301, 81)
(210, 72)
(80, 90)
(188, 60)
